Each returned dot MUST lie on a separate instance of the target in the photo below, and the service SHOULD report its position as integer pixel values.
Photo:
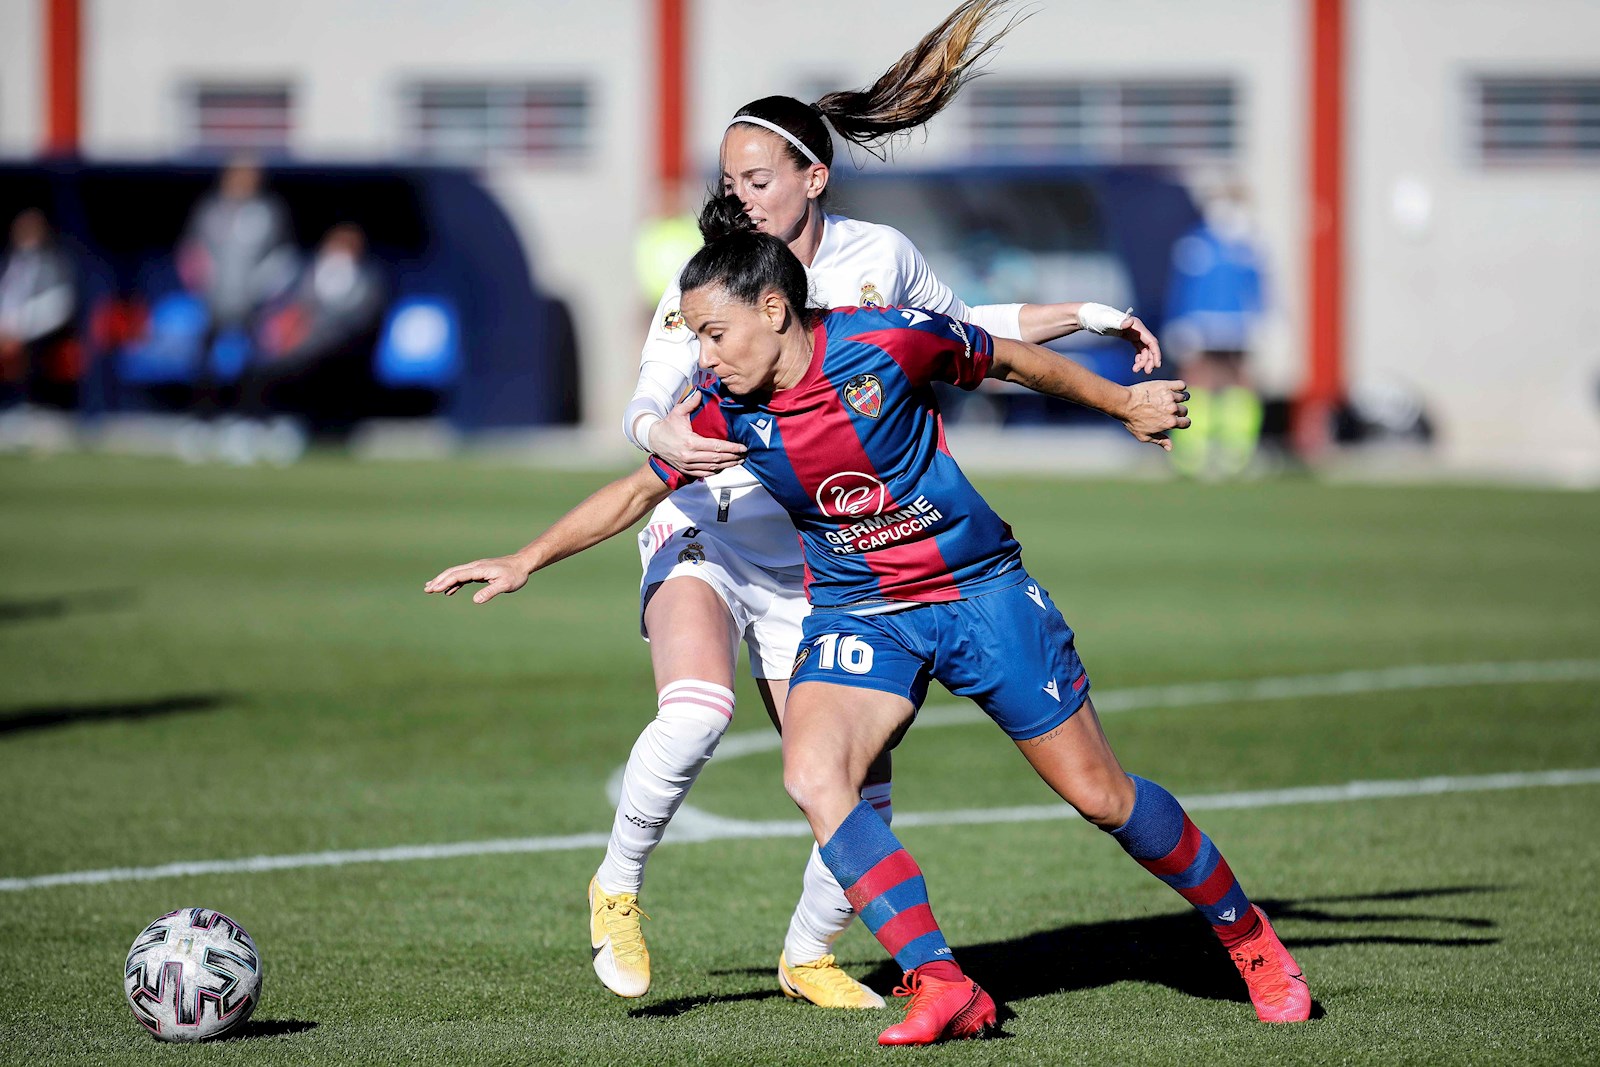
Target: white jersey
(858, 264)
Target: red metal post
(1324, 384)
(671, 100)
(63, 75)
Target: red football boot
(940, 1010)
(1277, 987)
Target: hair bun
(722, 216)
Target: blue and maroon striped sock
(1166, 843)
(885, 886)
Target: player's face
(758, 168)
(739, 343)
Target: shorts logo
(851, 494)
(800, 659)
(864, 393)
(673, 325)
(694, 552)
(870, 297)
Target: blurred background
(1368, 227)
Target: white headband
(781, 132)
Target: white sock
(823, 912)
(665, 761)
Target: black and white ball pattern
(192, 974)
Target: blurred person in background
(313, 360)
(236, 254)
(38, 295)
(1215, 305)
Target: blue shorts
(1009, 650)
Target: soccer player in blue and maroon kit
(911, 576)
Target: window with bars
(1541, 119)
(467, 122)
(228, 118)
(1104, 121)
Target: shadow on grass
(259, 1028)
(1176, 950)
(1179, 951)
(34, 609)
(47, 716)
(671, 1009)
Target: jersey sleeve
(666, 367)
(920, 287)
(930, 347)
(707, 421)
(923, 289)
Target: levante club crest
(865, 393)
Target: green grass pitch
(207, 663)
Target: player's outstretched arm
(1046, 322)
(1148, 410)
(603, 515)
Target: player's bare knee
(809, 784)
(1105, 804)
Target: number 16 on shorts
(874, 657)
(849, 652)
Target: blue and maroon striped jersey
(855, 452)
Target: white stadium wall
(21, 109)
(1468, 283)
(1473, 282)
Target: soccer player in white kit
(721, 558)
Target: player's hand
(1154, 408)
(673, 439)
(503, 574)
(1146, 349)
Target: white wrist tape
(1101, 319)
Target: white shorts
(768, 606)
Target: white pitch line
(1197, 694)
(716, 828)
(692, 824)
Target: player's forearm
(1044, 371)
(1047, 322)
(660, 385)
(600, 517)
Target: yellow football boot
(824, 982)
(620, 958)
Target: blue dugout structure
(438, 233)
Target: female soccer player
(720, 559)
(912, 576)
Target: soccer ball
(192, 974)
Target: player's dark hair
(743, 260)
(916, 88)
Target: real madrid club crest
(870, 297)
(800, 660)
(693, 552)
(673, 326)
(864, 393)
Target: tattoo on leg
(1035, 742)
